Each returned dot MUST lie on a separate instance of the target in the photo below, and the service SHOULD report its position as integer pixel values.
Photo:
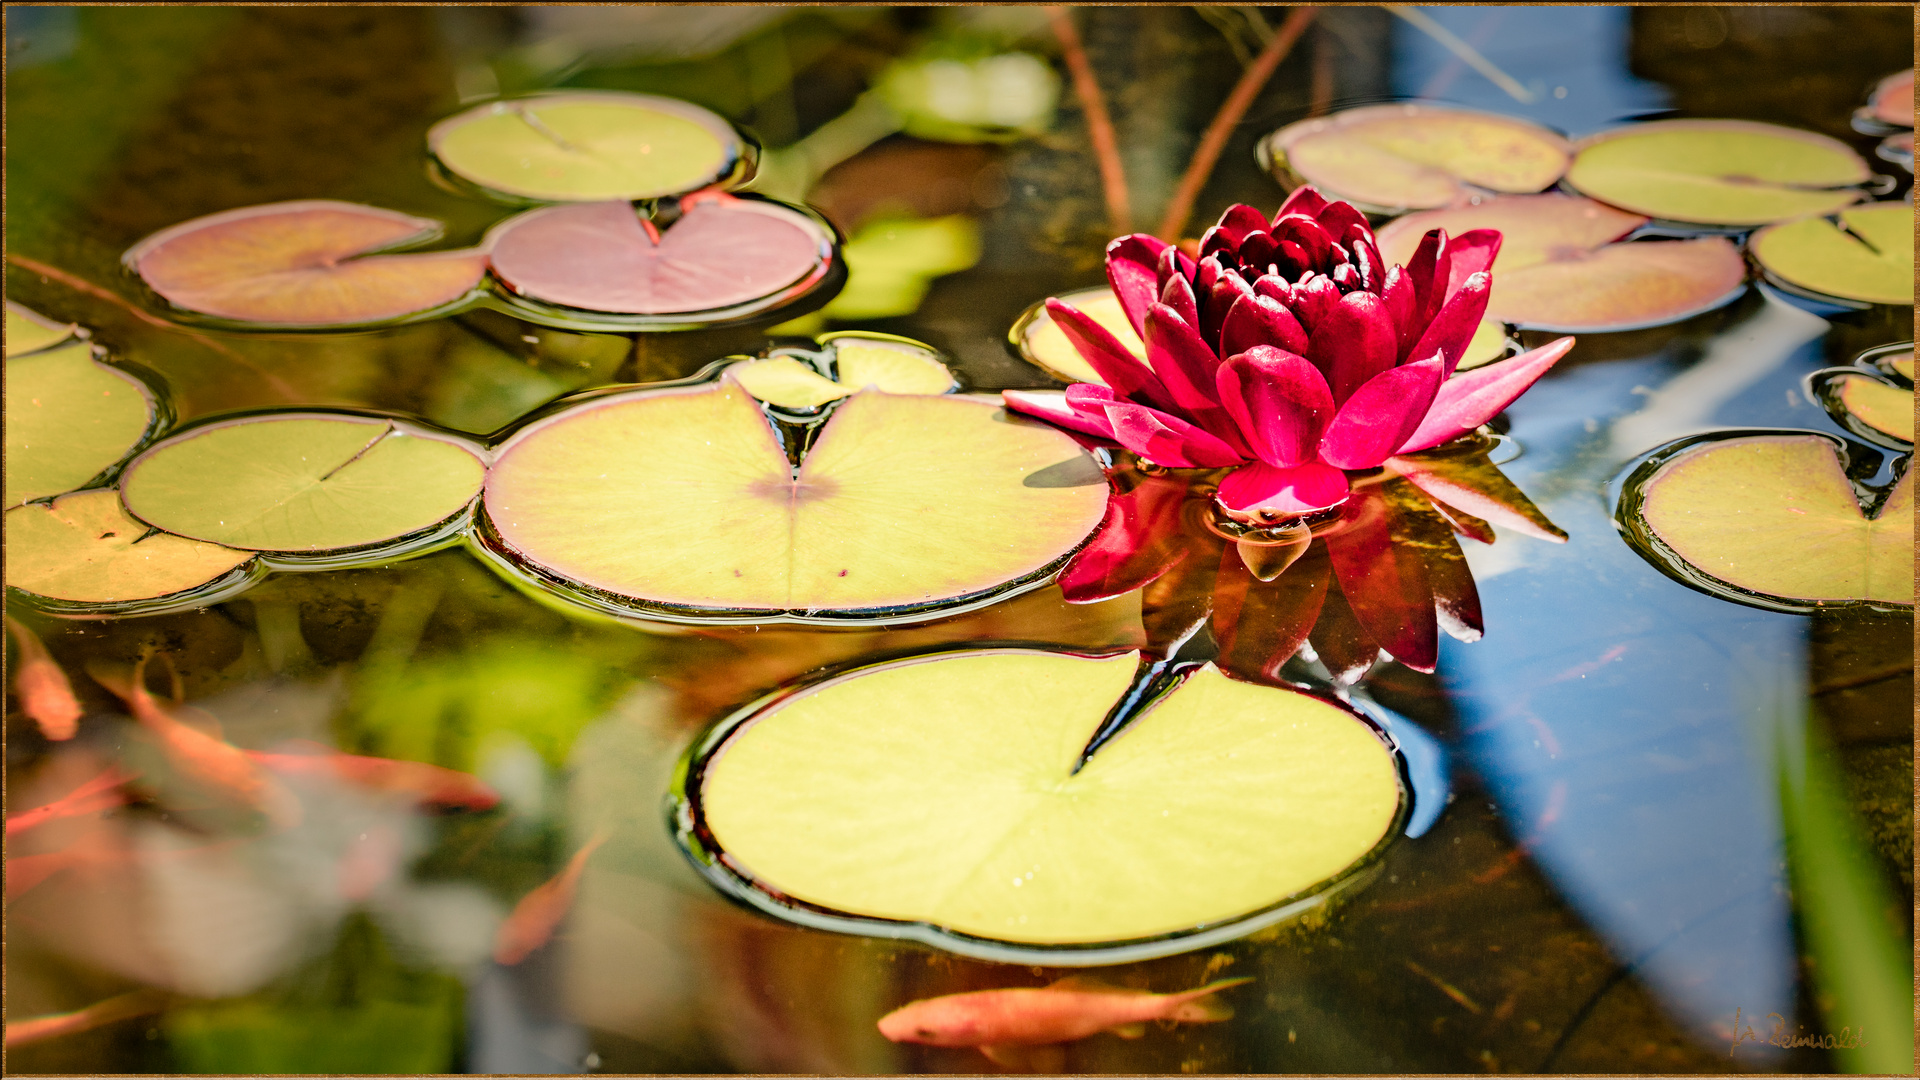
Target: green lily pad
(1560, 270)
(1717, 172)
(683, 502)
(303, 482)
(1867, 257)
(83, 548)
(1771, 519)
(855, 361)
(69, 418)
(1389, 159)
(997, 98)
(588, 147)
(937, 798)
(29, 331)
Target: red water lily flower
(1290, 352)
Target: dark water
(1604, 890)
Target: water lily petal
(1056, 410)
(1229, 288)
(1261, 320)
(1471, 252)
(1173, 263)
(1474, 485)
(1168, 440)
(1305, 200)
(1428, 259)
(1132, 263)
(1274, 287)
(1240, 221)
(1466, 402)
(1113, 362)
(1338, 218)
(1352, 342)
(1380, 416)
(1397, 294)
(1308, 236)
(1451, 330)
(1385, 582)
(1261, 492)
(1313, 296)
(1186, 366)
(1139, 541)
(1280, 401)
(1178, 295)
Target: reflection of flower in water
(1385, 576)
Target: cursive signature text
(1845, 1039)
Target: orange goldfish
(36, 1028)
(1001, 1023)
(538, 913)
(45, 694)
(429, 785)
(215, 764)
(100, 793)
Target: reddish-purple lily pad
(308, 263)
(723, 252)
(1892, 100)
(1560, 268)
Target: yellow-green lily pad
(1886, 409)
(1489, 343)
(1868, 401)
(1717, 172)
(83, 548)
(1773, 517)
(298, 483)
(683, 501)
(69, 418)
(855, 361)
(29, 331)
(1040, 342)
(588, 147)
(1867, 257)
(937, 797)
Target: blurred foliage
(891, 263)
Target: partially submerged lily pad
(588, 147)
(1874, 398)
(724, 256)
(1866, 257)
(1559, 268)
(311, 263)
(847, 364)
(303, 483)
(1393, 158)
(69, 418)
(1717, 172)
(937, 798)
(84, 549)
(29, 331)
(1770, 519)
(683, 502)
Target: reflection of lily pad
(1772, 516)
(940, 791)
(302, 482)
(1393, 158)
(1559, 270)
(29, 331)
(855, 362)
(83, 548)
(1870, 259)
(585, 147)
(68, 419)
(1717, 172)
(304, 263)
(722, 252)
(683, 500)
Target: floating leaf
(1039, 340)
(1393, 158)
(857, 361)
(1898, 149)
(302, 482)
(936, 798)
(1489, 343)
(1773, 517)
(586, 147)
(83, 548)
(1888, 409)
(1867, 257)
(683, 501)
(1868, 400)
(306, 263)
(1717, 172)
(723, 252)
(1892, 100)
(1559, 270)
(29, 331)
(68, 419)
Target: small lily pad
(723, 253)
(311, 263)
(295, 483)
(1717, 172)
(1873, 399)
(1039, 340)
(1866, 257)
(855, 361)
(588, 147)
(1891, 102)
(937, 798)
(683, 502)
(1771, 519)
(69, 418)
(29, 331)
(1559, 269)
(84, 549)
(1389, 159)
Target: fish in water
(1003, 1023)
(427, 785)
(538, 914)
(98, 794)
(45, 694)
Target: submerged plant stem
(1106, 147)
